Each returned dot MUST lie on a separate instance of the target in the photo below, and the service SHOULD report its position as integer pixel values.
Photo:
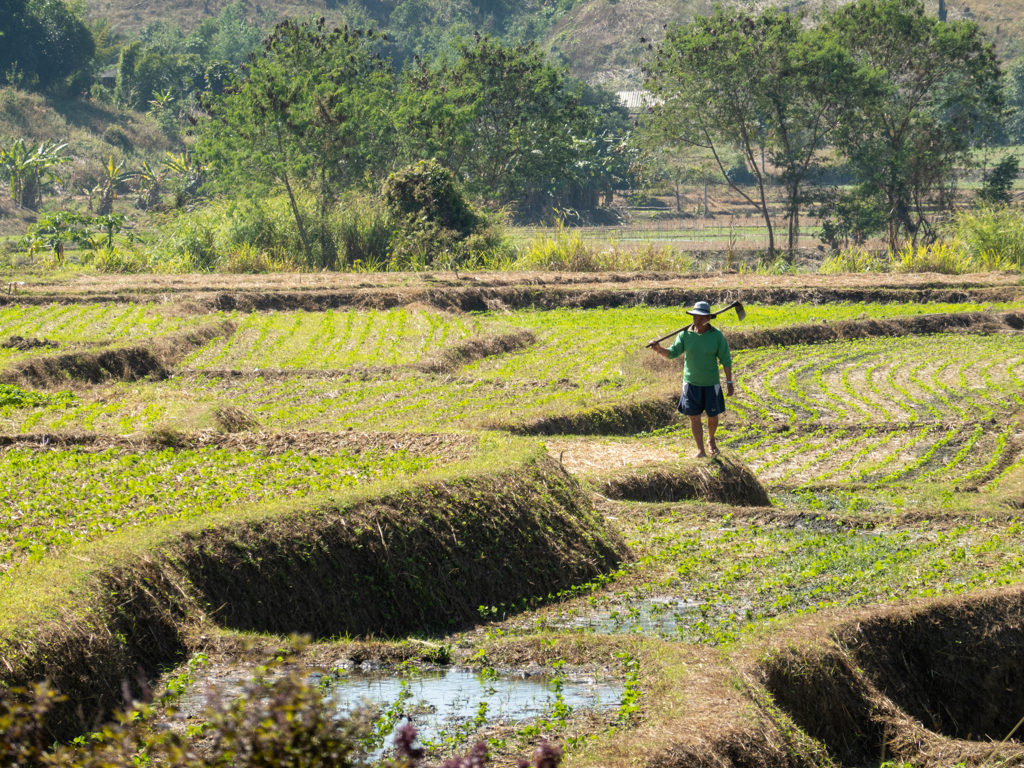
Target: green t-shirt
(702, 352)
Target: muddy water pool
(447, 705)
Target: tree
(46, 40)
(500, 117)
(938, 85)
(753, 82)
(311, 113)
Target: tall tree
(500, 117)
(758, 83)
(938, 85)
(311, 114)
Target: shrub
(247, 259)
(433, 217)
(428, 192)
(115, 136)
(119, 261)
(566, 251)
(946, 258)
(854, 259)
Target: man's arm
(729, 388)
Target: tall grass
(983, 239)
(566, 251)
(992, 236)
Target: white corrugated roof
(637, 101)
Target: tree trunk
(295, 208)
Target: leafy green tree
(145, 70)
(500, 117)
(938, 84)
(758, 83)
(1014, 94)
(997, 184)
(49, 42)
(311, 114)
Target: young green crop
(54, 498)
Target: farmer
(702, 348)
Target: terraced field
(885, 423)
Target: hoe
(741, 313)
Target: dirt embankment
(541, 291)
(719, 479)
(447, 446)
(918, 325)
(422, 558)
(153, 358)
(934, 683)
(498, 298)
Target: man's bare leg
(698, 435)
(712, 426)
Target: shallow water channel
(446, 705)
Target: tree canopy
(46, 43)
(900, 96)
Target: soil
(24, 345)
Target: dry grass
(589, 457)
(719, 479)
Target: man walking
(702, 348)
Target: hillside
(598, 40)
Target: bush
(854, 259)
(567, 252)
(115, 136)
(945, 258)
(119, 261)
(433, 217)
(247, 260)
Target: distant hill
(599, 40)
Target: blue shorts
(697, 400)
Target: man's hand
(654, 345)
(730, 390)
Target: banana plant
(150, 185)
(188, 170)
(27, 168)
(161, 101)
(114, 174)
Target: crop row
(92, 322)
(872, 382)
(933, 453)
(53, 499)
(336, 340)
(902, 379)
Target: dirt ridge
(842, 330)
(720, 479)
(313, 443)
(152, 358)
(492, 295)
(940, 680)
